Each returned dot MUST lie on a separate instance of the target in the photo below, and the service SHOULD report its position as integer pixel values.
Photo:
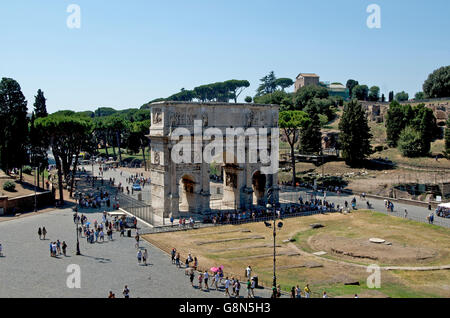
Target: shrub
(410, 143)
(27, 169)
(9, 186)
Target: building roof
(307, 75)
(337, 87)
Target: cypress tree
(355, 136)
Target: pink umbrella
(214, 269)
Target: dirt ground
(24, 188)
(361, 248)
(236, 247)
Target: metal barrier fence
(137, 208)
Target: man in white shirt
(248, 271)
(227, 285)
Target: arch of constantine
(184, 187)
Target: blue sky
(127, 53)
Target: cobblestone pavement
(27, 270)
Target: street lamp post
(35, 190)
(78, 241)
(271, 205)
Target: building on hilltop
(338, 90)
(305, 79)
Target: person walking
(40, 233)
(177, 260)
(58, 247)
(64, 248)
(293, 292)
(137, 240)
(144, 257)
(206, 276)
(307, 291)
(248, 271)
(191, 277)
(252, 287)
(1, 250)
(216, 280)
(406, 213)
(227, 286)
(237, 288)
(200, 280)
(298, 292)
(139, 257)
(44, 232)
(126, 292)
(172, 254)
(249, 288)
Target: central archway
(187, 202)
(259, 187)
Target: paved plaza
(27, 270)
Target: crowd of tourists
(258, 214)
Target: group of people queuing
(183, 223)
(99, 230)
(97, 200)
(257, 214)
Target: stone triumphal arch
(180, 187)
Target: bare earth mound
(362, 249)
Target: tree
(402, 96)
(391, 97)
(275, 98)
(438, 83)
(419, 118)
(310, 135)
(426, 124)
(350, 85)
(419, 96)
(307, 93)
(68, 136)
(360, 92)
(104, 111)
(248, 99)
(284, 83)
(14, 125)
(395, 123)
(383, 98)
(137, 138)
(410, 143)
(236, 87)
(291, 122)
(184, 96)
(355, 136)
(117, 126)
(447, 138)
(39, 144)
(374, 94)
(268, 84)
